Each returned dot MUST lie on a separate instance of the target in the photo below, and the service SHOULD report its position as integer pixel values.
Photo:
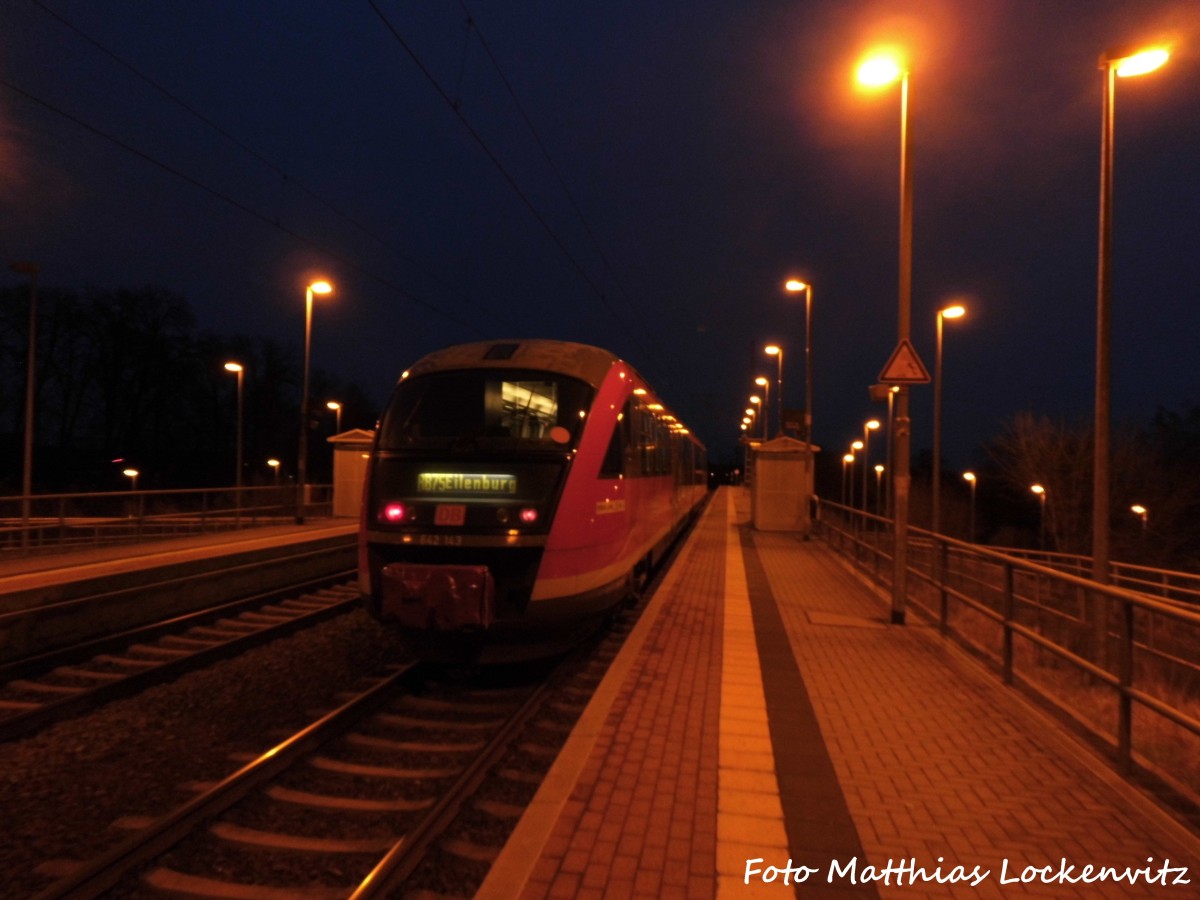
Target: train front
(467, 473)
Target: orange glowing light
(1142, 62)
(880, 69)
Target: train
(518, 492)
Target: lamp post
(1142, 513)
(950, 312)
(337, 415)
(847, 460)
(317, 287)
(777, 351)
(32, 270)
(868, 427)
(765, 384)
(240, 371)
(757, 402)
(879, 489)
(879, 71)
(1113, 63)
(856, 447)
(969, 478)
(796, 286)
(274, 464)
(1041, 495)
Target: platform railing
(54, 523)
(1122, 667)
(1168, 583)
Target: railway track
(359, 801)
(51, 687)
(408, 788)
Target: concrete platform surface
(767, 732)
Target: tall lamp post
(337, 415)
(969, 478)
(847, 460)
(1113, 63)
(856, 447)
(32, 270)
(868, 427)
(1041, 495)
(240, 371)
(317, 287)
(879, 489)
(765, 383)
(950, 312)
(879, 71)
(1142, 513)
(796, 286)
(777, 351)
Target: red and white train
(518, 491)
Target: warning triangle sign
(904, 366)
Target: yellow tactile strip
(749, 816)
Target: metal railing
(1103, 657)
(1169, 583)
(52, 523)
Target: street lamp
(796, 286)
(337, 413)
(132, 475)
(969, 478)
(879, 489)
(240, 371)
(1113, 63)
(868, 427)
(847, 460)
(274, 464)
(950, 312)
(1041, 495)
(32, 270)
(757, 402)
(777, 351)
(316, 287)
(880, 70)
(765, 384)
(1142, 513)
(856, 447)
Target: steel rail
(23, 723)
(106, 871)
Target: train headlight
(528, 515)
(395, 513)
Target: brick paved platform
(764, 709)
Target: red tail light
(394, 513)
(529, 515)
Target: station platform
(766, 732)
(24, 573)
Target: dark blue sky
(710, 149)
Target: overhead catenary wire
(456, 107)
(237, 204)
(287, 178)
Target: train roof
(582, 361)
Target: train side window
(613, 465)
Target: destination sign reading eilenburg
(463, 483)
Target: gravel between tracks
(62, 790)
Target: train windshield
(486, 409)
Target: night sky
(641, 176)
